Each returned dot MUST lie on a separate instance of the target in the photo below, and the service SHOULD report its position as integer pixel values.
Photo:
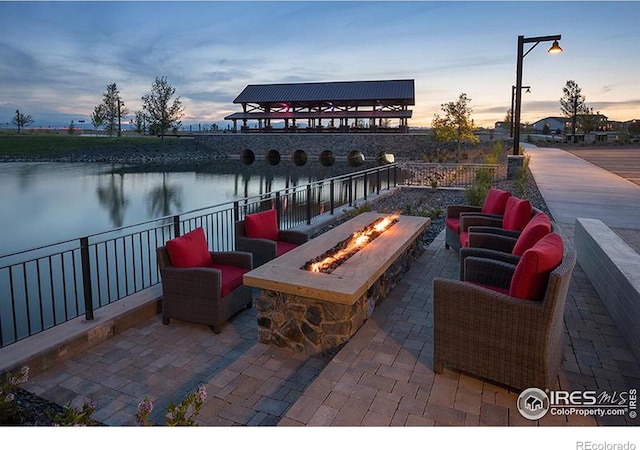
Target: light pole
(513, 95)
(555, 48)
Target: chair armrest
(478, 252)
(487, 271)
(465, 309)
(454, 211)
(238, 258)
(483, 237)
(497, 231)
(471, 220)
(293, 236)
(247, 244)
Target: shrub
(10, 412)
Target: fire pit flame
(342, 251)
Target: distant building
(333, 106)
(556, 125)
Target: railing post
(395, 175)
(86, 278)
(278, 210)
(309, 200)
(236, 211)
(350, 190)
(366, 175)
(176, 225)
(332, 203)
(378, 181)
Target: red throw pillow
(517, 214)
(496, 201)
(189, 250)
(536, 229)
(262, 225)
(532, 272)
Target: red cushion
(231, 277)
(532, 272)
(189, 250)
(495, 201)
(517, 214)
(283, 247)
(262, 225)
(536, 229)
(464, 239)
(453, 224)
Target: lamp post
(555, 48)
(513, 94)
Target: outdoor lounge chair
(504, 322)
(505, 245)
(493, 206)
(202, 286)
(259, 234)
(517, 215)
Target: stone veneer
(341, 144)
(314, 326)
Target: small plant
(522, 178)
(357, 210)
(9, 412)
(75, 417)
(184, 413)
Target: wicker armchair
(265, 249)
(493, 206)
(505, 245)
(208, 295)
(493, 335)
(516, 216)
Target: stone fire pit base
(316, 326)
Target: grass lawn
(47, 145)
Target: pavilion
(330, 106)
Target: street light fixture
(555, 48)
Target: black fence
(49, 285)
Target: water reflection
(112, 197)
(53, 202)
(163, 197)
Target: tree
(98, 116)
(456, 125)
(72, 128)
(110, 111)
(20, 120)
(141, 122)
(163, 114)
(572, 104)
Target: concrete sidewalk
(573, 187)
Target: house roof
(389, 91)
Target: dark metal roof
(396, 91)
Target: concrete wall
(370, 144)
(613, 268)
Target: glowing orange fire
(347, 248)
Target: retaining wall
(370, 144)
(613, 267)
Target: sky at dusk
(56, 58)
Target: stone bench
(613, 268)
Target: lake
(43, 203)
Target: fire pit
(315, 312)
(345, 249)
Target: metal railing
(446, 175)
(49, 285)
